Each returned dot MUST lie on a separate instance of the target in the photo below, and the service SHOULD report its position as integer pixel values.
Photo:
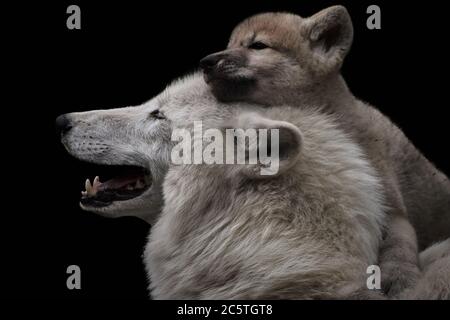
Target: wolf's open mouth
(123, 183)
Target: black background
(126, 53)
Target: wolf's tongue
(120, 182)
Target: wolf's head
(131, 148)
(272, 55)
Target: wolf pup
(282, 58)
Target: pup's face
(263, 54)
(271, 54)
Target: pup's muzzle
(209, 62)
(224, 62)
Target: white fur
(309, 232)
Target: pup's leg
(434, 253)
(398, 261)
(399, 258)
(401, 277)
(435, 283)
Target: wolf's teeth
(139, 184)
(97, 184)
(84, 193)
(91, 191)
(87, 185)
(129, 187)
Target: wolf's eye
(156, 114)
(258, 45)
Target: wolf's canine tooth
(96, 182)
(91, 191)
(87, 185)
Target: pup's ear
(330, 34)
(277, 145)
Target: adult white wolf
(225, 231)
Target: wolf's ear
(330, 34)
(277, 146)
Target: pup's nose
(63, 124)
(209, 62)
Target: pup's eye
(258, 45)
(156, 114)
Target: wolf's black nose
(63, 124)
(209, 62)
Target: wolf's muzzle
(63, 124)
